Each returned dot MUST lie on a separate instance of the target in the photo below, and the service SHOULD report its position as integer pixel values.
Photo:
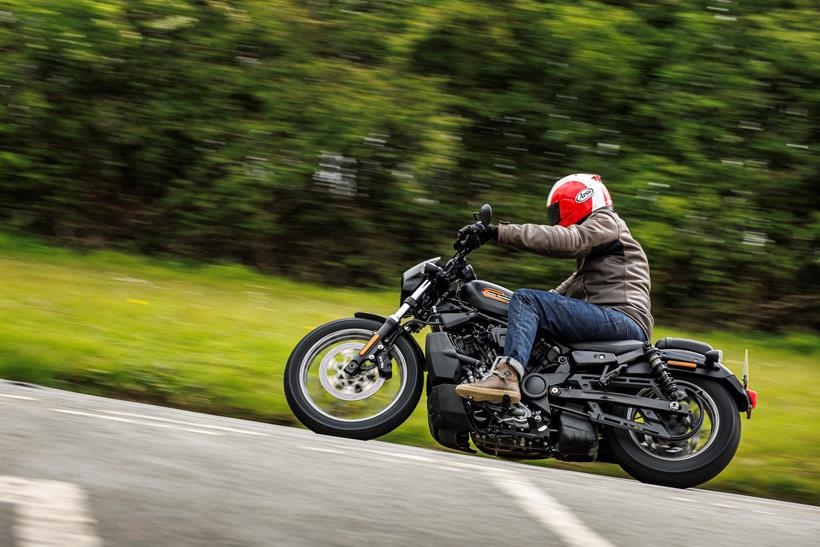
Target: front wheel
(365, 406)
(684, 463)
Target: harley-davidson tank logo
(495, 294)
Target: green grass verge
(215, 338)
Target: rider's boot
(501, 381)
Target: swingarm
(652, 424)
(621, 399)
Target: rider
(607, 298)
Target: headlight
(412, 278)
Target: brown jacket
(611, 270)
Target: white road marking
(21, 397)
(392, 454)
(551, 514)
(204, 426)
(48, 513)
(463, 466)
(723, 506)
(457, 468)
(126, 420)
(679, 498)
(322, 450)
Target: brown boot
(502, 380)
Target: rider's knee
(529, 294)
(522, 295)
(527, 297)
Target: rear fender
(404, 334)
(717, 372)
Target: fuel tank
(487, 297)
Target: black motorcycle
(667, 413)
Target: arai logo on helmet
(584, 195)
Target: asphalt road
(77, 470)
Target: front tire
(668, 464)
(364, 407)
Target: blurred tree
(342, 141)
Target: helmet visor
(553, 214)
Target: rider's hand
(490, 233)
(475, 235)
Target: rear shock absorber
(659, 368)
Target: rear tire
(698, 468)
(309, 413)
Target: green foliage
(215, 339)
(343, 141)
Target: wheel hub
(338, 383)
(677, 450)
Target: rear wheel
(365, 406)
(690, 462)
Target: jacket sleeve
(564, 286)
(558, 241)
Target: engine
(480, 344)
(516, 431)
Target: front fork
(377, 349)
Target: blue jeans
(562, 319)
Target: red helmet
(574, 197)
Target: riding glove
(477, 234)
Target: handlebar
(463, 248)
(466, 242)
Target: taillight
(752, 397)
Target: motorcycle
(667, 413)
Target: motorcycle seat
(683, 343)
(617, 347)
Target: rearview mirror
(485, 214)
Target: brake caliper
(384, 364)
